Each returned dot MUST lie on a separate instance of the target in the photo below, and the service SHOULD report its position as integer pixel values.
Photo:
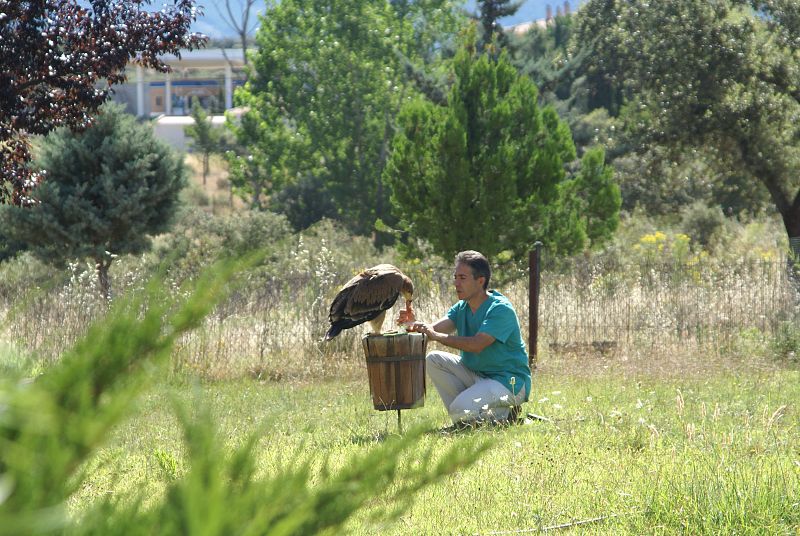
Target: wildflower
(543, 400)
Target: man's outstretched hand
(421, 327)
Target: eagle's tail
(333, 332)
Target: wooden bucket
(396, 369)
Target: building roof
(206, 57)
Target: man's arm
(441, 331)
(444, 325)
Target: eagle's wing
(377, 290)
(339, 304)
(364, 297)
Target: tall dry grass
(667, 316)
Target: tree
(204, 135)
(108, 188)
(597, 196)
(258, 160)
(490, 12)
(710, 74)
(487, 171)
(238, 19)
(559, 66)
(330, 76)
(56, 57)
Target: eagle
(367, 297)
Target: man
(491, 374)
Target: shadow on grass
(487, 426)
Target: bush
(199, 238)
(26, 272)
(702, 223)
(194, 195)
(786, 342)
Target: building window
(159, 101)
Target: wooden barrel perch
(396, 370)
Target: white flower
(504, 398)
(589, 399)
(556, 393)
(557, 406)
(543, 400)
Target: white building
(209, 75)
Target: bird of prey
(367, 297)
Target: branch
(557, 527)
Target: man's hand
(427, 329)
(474, 344)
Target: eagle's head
(407, 290)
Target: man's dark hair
(477, 263)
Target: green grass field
(667, 432)
(622, 454)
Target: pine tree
(107, 189)
(488, 170)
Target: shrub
(199, 238)
(702, 223)
(786, 342)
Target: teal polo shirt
(506, 357)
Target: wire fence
(591, 305)
(274, 328)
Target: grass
(214, 196)
(703, 455)
(689, 424)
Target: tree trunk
(255, 204)
(102, 266)
(791, 220)
(770, 172)
(205, 167)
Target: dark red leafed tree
(58, 59)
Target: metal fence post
(534, 273)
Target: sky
(213, 25)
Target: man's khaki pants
(468, 396)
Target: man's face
(467, 286)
